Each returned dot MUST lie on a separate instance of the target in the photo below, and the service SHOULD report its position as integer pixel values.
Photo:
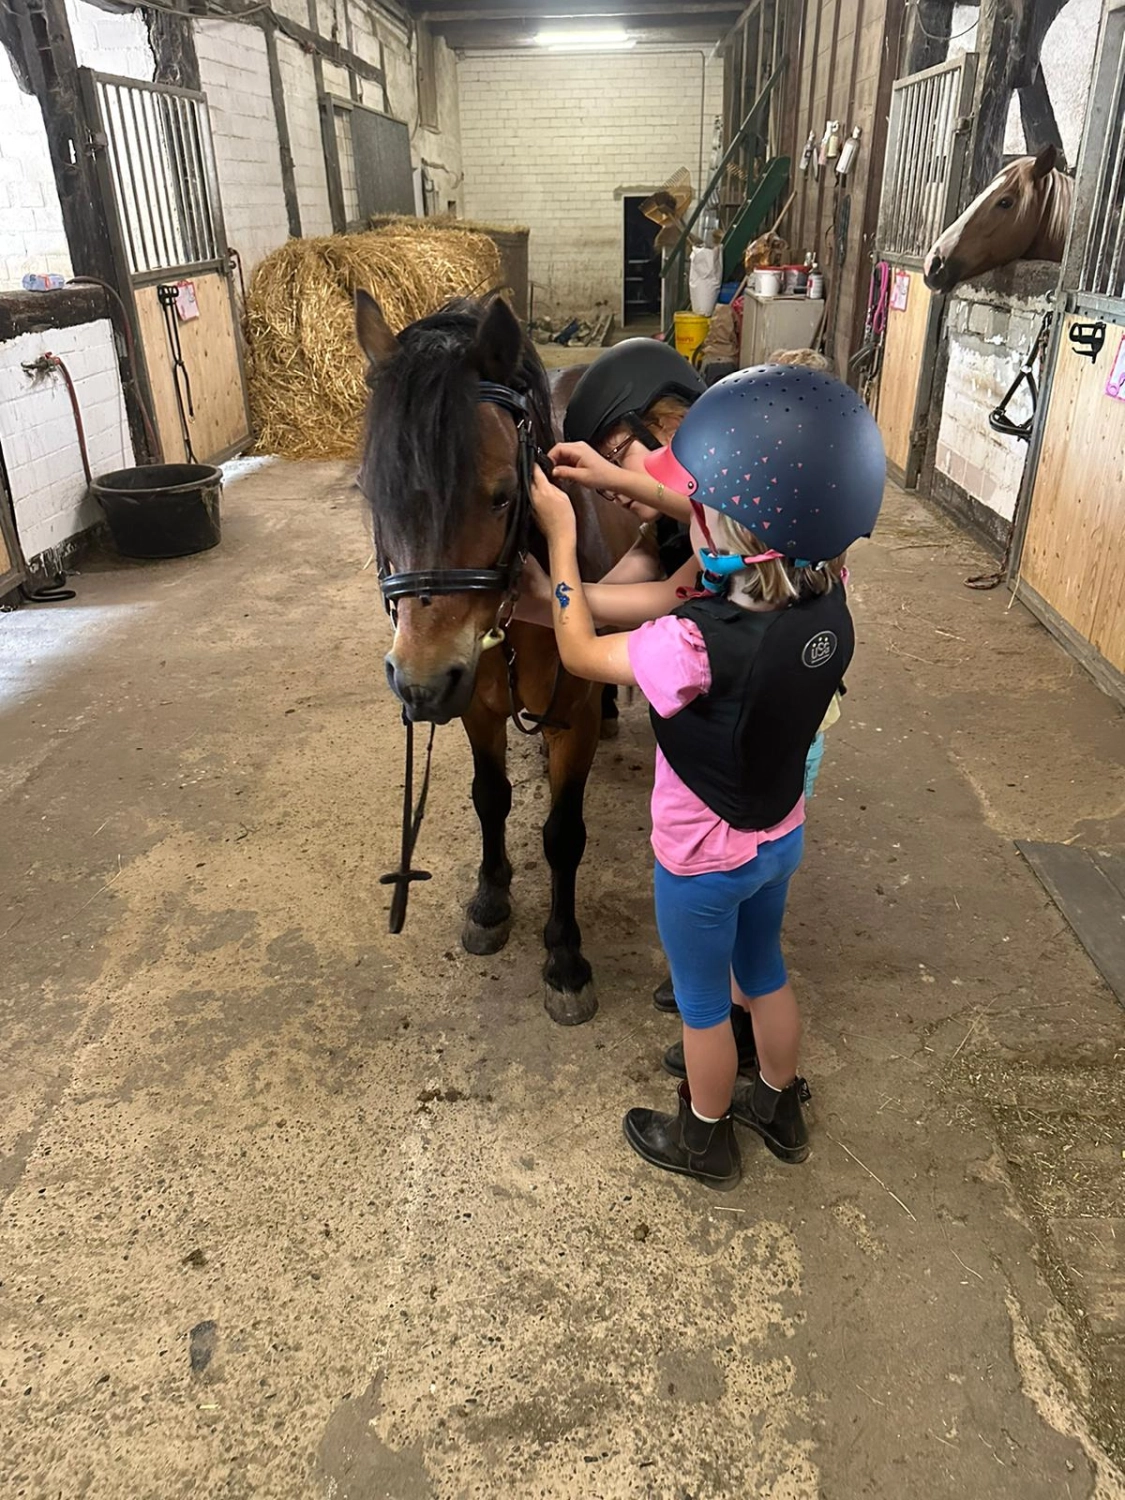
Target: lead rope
(405, 875)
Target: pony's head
(441, 474)
(1002, 225)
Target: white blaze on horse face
(1023, 210)
(945, 246)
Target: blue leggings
(729, 921)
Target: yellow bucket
(690, 331)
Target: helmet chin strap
(719, 567)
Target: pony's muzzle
(436, 699)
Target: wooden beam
(284, 144)
(930, 29)
(172, 38)
(318, 45)
(1040, 127)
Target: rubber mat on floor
(1088, 887)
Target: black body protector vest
(741, 748)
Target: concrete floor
(295, 1208)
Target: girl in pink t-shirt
(784, 469)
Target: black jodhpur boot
(682, 1143)
(664, 997)
(777, 1117)
(744, 1040)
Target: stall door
(157, 172)
(12, 571)
(1072, 562)
(922, 176)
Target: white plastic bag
(705, 278)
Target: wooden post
(281, 119)
(1009, 40)
(52, 69)
(877, 150)
(173, 47)
(930, 31)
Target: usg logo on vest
(821, 649)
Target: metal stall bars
(923, 173)
(1069, 549)
(156, 167)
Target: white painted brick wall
(116, 44)
(987, 344)
(549, 141)
(303, 113)
(235, 75)
(37, 434)
(31, 227)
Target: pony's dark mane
(420, 448)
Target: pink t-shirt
(670, 663)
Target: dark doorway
(641, 272)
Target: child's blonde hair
(776, 582)
(810, 359)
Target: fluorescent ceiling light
(606, 39)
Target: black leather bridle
(504, 575)
(502, 578)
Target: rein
(502, 577)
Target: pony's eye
(502, 501)
(1005, 203)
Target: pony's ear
(1045, 163)
(498, 345)
(375, 338)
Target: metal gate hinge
(97, 142)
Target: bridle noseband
(504, 575)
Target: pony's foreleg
(488, 916)
(569, 997)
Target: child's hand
(582, 464)
(552, 508)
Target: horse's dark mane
(420, 451)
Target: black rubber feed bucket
(162, 510)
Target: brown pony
(443, 473)
(1023, 214)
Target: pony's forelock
(420, 454)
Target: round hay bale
(304, 369)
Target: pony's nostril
(456, 677)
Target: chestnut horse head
(443, 474)
(1023, 214)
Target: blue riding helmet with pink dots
(792, 454)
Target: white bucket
(816, 287)
(767, 282)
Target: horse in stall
(460, 410)
(1023, 214)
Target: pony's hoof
(610, 729)
(571, 1007)
(482, 941)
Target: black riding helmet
(622, 384)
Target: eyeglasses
(617, 453)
